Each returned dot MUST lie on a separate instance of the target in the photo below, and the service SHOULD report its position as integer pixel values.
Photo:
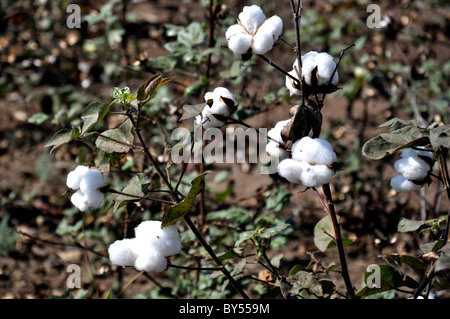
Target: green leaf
(38, 118)
(390, 278)
(275, 260)
(270, 232)
(136, 186)
(402, 134)
(278, 199)
(149, 87)
(60, 138)
(120, 140)
(106, 161)
(92, 114)
(407, 225)
(323, 233)
(415, 263)
(443, 263)
(244, 236)
(190, 111)
(440, 137)
(162, 63)
(305, 285)
(182, 208)
(236, 215)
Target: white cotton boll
(274, 150)
(290, 170)
(240, 43)
(325, 68)
(166, 240)
(94, 199)
(275, 132)
(289, 86)
(412, 168)
(79, 200)
(75, 176)
(252, 17)
(308, 64)
(235, 30)
(120, 252)
(313, 151)
(315, 175)
(91, 181)
(219, 106)
(150, 260)
(272, 26)
(400, 184)
(409, 152)
(262, 43)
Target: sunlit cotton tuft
(253, 31)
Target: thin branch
(159, 200)
(278, 68)
(195, 268)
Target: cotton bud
(253, 31)
(220, 105)
(86, 181)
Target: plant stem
(338, 239)
(277, 67)
(297, 13)
(159, 200)
(176, 197)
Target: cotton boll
(308, 64)
(262, 43)
(251, 18)
(209, 120)
(94, 199)
(290, 170)
(409, 152)
(166, 240)
(275, 132)
(315, 175)
(220, 92)
(289, 85)
(150, 260)
(120, 252)
(79, 200)
(274, 150)
(75, 176)
(400, 184)
(91, 181)
(313, 151)
(240, 43)
(412, 168)
(325, 68)
(272, 26)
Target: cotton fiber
(86, 182)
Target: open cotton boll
(240, 44)
(289, 85)
(274, 150)
(267, 34)
(409, 152)
(91, 181)
(275, 132)
(308, 64)
(400, 184)
(79, 200)
(290, 170)
(412, 167)
(315, 175)
(325, 68)
(251, 18)
(313, 151)
(150, 260)
(207, 120)
(94, 199)
(120, 252)
(166, 240)
(75, 176)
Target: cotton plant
(86, 182)
(253, 33)
(414, 169)
(149, 250)
(220, 104)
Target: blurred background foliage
(49, 73)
